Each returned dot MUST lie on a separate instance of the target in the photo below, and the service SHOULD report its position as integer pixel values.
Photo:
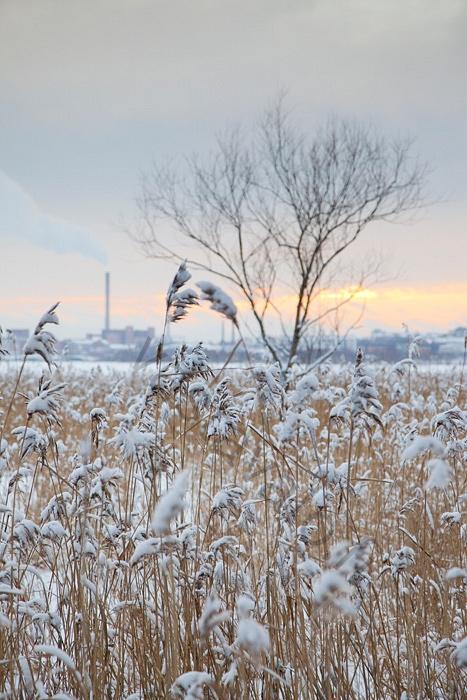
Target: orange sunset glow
(422, 308)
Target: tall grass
(184, 532)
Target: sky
(94, 92)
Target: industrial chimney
(107, 301)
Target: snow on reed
(174, 533)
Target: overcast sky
(93, 91)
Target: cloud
(21, 219)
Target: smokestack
(107, 301)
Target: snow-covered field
(179, 532)
(10, 366)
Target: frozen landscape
(179, 531)
(233, 350)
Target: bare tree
(279, 210)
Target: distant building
(380, 345)
(120, 343)
(452, 344)
(126, 345)
(128, 336)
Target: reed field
(233, 447)
(188, 532)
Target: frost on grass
(171, 504)
(220, 301)
(440, 474)
(253, 637)
(190, 685)
(422, 444)
(176, 532)
(42, 342)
